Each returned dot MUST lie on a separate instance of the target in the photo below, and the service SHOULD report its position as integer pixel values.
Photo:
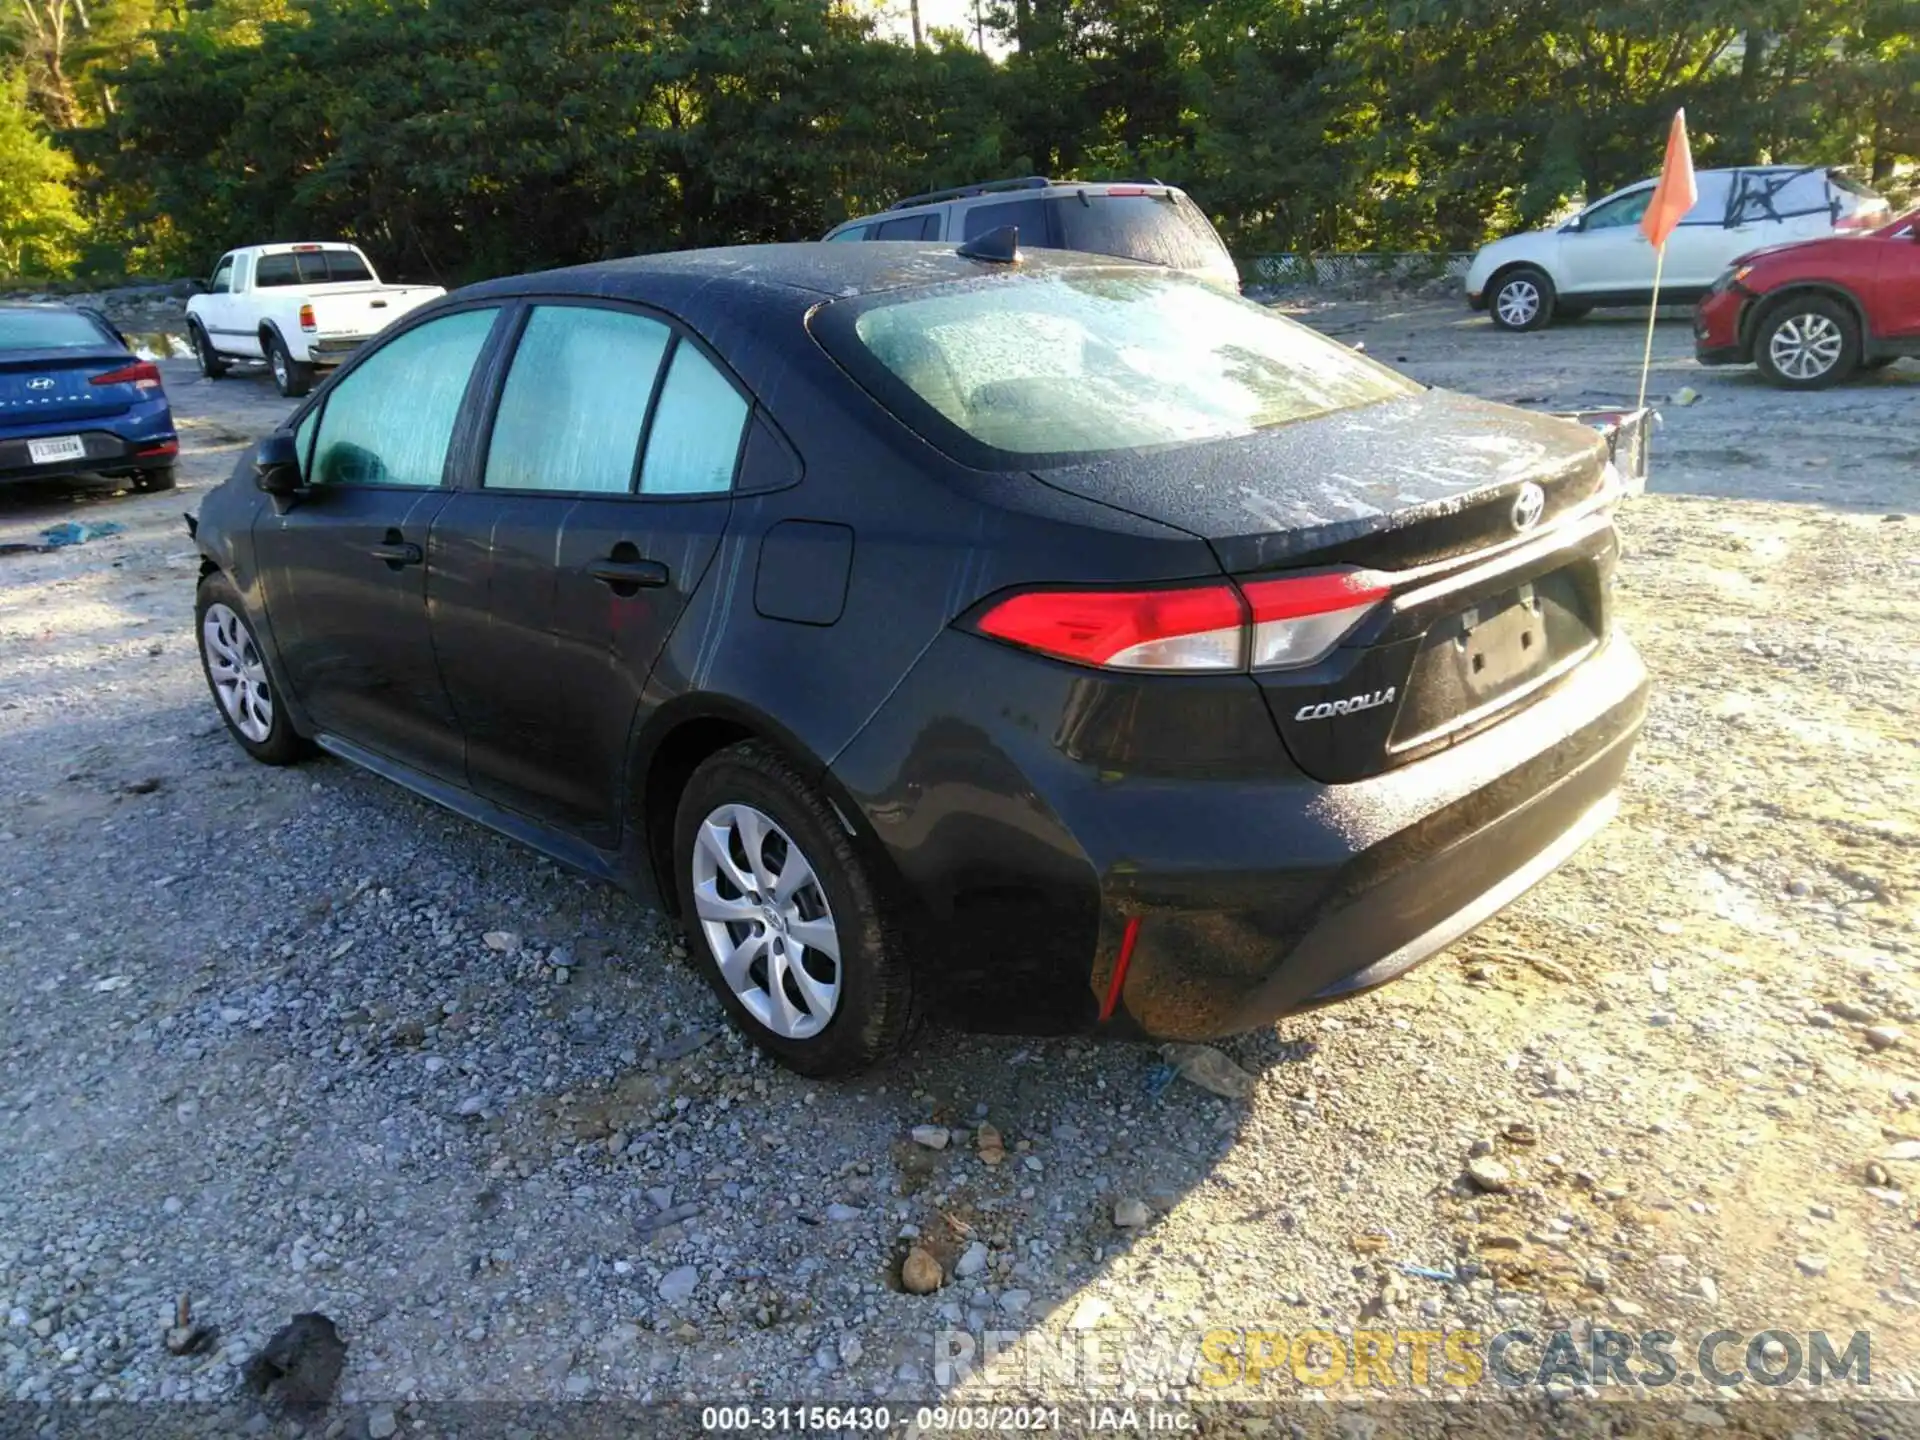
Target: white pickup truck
(298, 307)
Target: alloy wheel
(1518, 302)
(280, 366)
(1806, 346)
(767, 924)
(238, 673)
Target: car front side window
(222, 281)
(390, 419)
(1620, 211)
(575, 401)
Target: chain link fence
(1357, 267)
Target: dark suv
(1134, 220)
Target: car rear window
(310, 267)
(1160, 228)
(48, 330)
(1025, 370)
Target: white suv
(1138, 221)
(1599, 257)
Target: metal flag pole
(1646, 361)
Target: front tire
(211, 365)
(784, 916)
(293, 378)
(1522, 299)
(236, 671)
(1807, 343)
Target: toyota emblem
(43, 382)
(1528, 506)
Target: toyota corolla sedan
(1039, 641)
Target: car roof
(807, 269)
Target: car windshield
(48, 330)
(1077, 363)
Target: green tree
(40, 224)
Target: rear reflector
(142, 375)
(166, 447)
(1129, 937)
(1213, 626)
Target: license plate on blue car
(55, 448)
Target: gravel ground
(294, 1040)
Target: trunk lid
(1495, 597)
(54, 385)
(1399, 483)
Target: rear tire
(236, 671)
(211, 365)
(162, 477)
(785, 918)
(293, 378)
(1807, 342)
(1522, 299)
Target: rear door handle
(629, 574)
(397, 553)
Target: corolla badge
(1528, 506)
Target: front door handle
(397, 552)
(626, 576)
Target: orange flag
(1675, 195)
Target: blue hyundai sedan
(75, 400)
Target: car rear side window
(575, 401)
(274, 270)
(1030, 216)
(694, 444)
(1068, 365)
(49, 330)
(907, 227)
(388, 421)
(1158, 227)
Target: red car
(1809, 314)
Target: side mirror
(276, 465)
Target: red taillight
(1198, 627)
(142, 375)
(1214, 626)
(165, 447)
(306, 318)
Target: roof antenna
(1001, 246)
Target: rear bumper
(1408, 863)
(1247, 895)
(332, 350)
(107, 451)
